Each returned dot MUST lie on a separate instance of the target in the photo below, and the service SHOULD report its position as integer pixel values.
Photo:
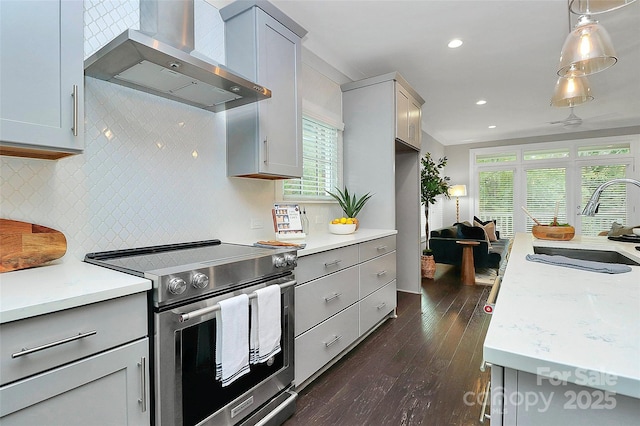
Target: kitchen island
(562, 332)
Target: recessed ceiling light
(481, 102)
(456, 42)
(493, 126)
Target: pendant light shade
(593, 7)
(587, 49)
(571, 91)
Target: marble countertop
(559, 322)
(45, 289)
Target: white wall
(153, 170)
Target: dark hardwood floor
(415, 369)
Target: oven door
(186, 390)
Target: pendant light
(594, 7)
(587, 49)
(571, 91)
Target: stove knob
(279, 261)
(291, 259)
(177, 286)
(200, 280)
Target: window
(546, 189)
(563, 174)
(321, 162)
(613, 200)
(496, 199)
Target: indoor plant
(350, 203)
(432, 184)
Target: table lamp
(457, 191)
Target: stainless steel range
(189, 281)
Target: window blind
(321, 163)
(496, 199)
(613, 200)
(545, 187)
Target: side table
(468, 273)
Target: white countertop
(316, 243)
(72, 283)
(562, 322)
(45, 289)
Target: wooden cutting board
(25, 245)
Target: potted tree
(432, 184)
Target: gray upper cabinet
(41, 78)
(408, 116)
(264, 140)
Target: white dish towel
(232, 339)
(265, 324)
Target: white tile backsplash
(153, 170)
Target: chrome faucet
(592, 205)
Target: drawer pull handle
(484, 365)
(143, 383)
(483, 413)
(333, 296)
(380, 248)
(25, 351)
(382, 305)
(332, 341)
(332, 263)
(381, 273)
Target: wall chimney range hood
(157, 60)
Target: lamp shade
(571, 91)
(587, 50)
(593, 7)
(457, 191)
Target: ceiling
(509, 57)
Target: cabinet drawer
(321, 344)
(376, 273)
(378, 247)
(319, 299)
(104, 389)
(105, 325)
(376, 306)
(326, 262)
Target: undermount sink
(594, 255)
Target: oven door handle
(213, 308)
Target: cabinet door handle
(266, 152)
(143, 383)
(74, 94)
(381, 273)
(332, 341)
(332, 263)
(382, 305)
(25, 351)
(483, 413)
(333, 296)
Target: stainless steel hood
(157, 60)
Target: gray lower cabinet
(342, 294)
(104, 389)
(86, 365)
(41, 78)
(523, 399)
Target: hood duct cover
(152, 63)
